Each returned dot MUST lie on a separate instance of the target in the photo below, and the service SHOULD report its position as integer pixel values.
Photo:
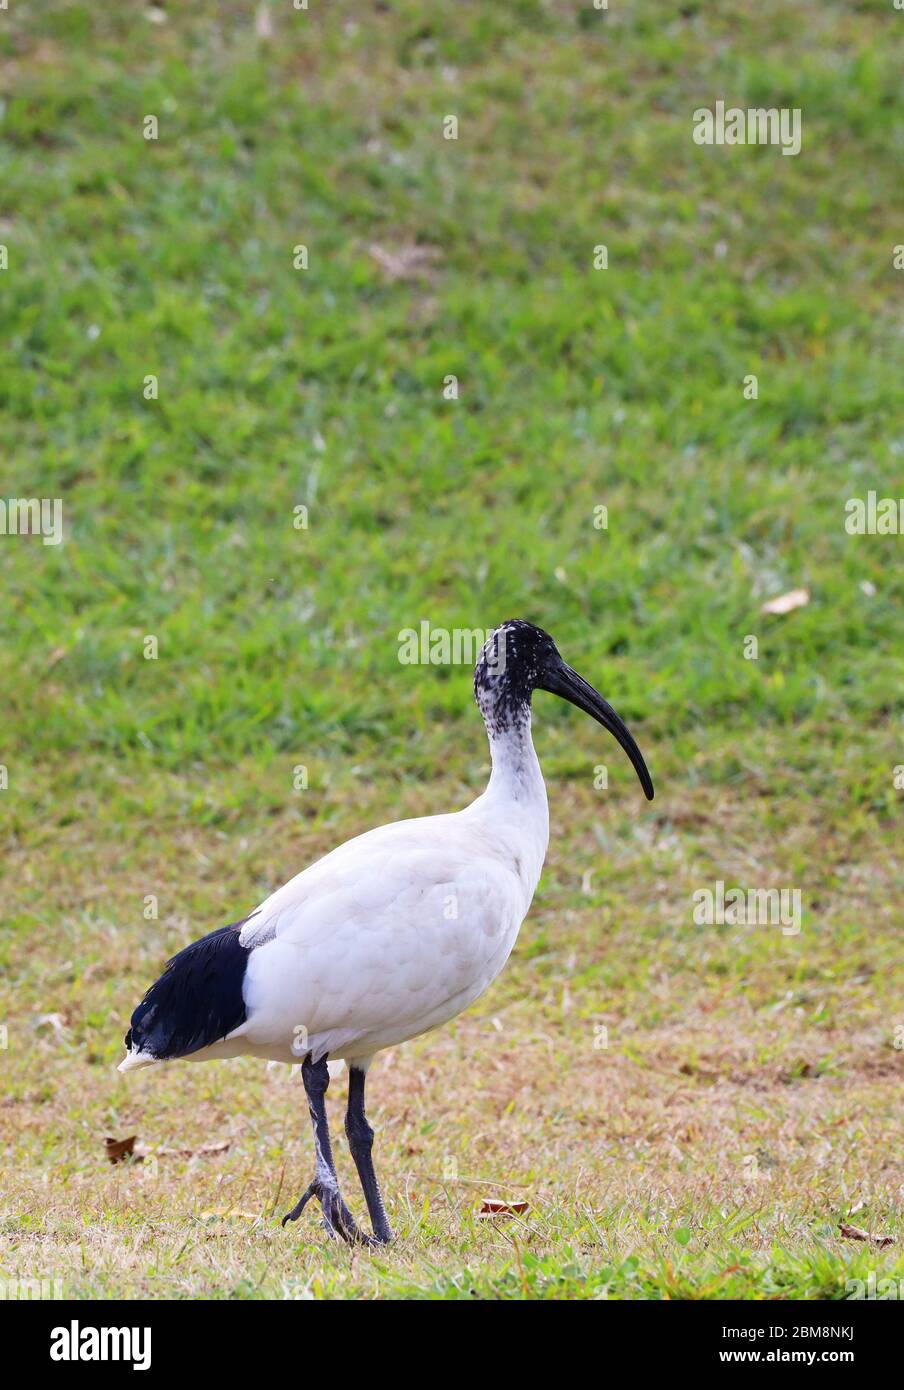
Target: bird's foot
(337, 1219)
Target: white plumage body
(395, 931)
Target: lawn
(264, 468)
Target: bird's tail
(197, 1001)
(134, 1059)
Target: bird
(388, 936)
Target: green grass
(323, 388)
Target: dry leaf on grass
(786, 603)
(202, 1151)
(403, 262)
(118, 1149)
(855, 1233)
(490, 1207)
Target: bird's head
(520, 658)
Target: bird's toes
(293, 1215)
(339, 1221)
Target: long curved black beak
(573, 688)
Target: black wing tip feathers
(198, 999)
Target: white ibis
(390, 935)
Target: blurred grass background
(323, 388)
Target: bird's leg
(360, 1142)
(337, 1218)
